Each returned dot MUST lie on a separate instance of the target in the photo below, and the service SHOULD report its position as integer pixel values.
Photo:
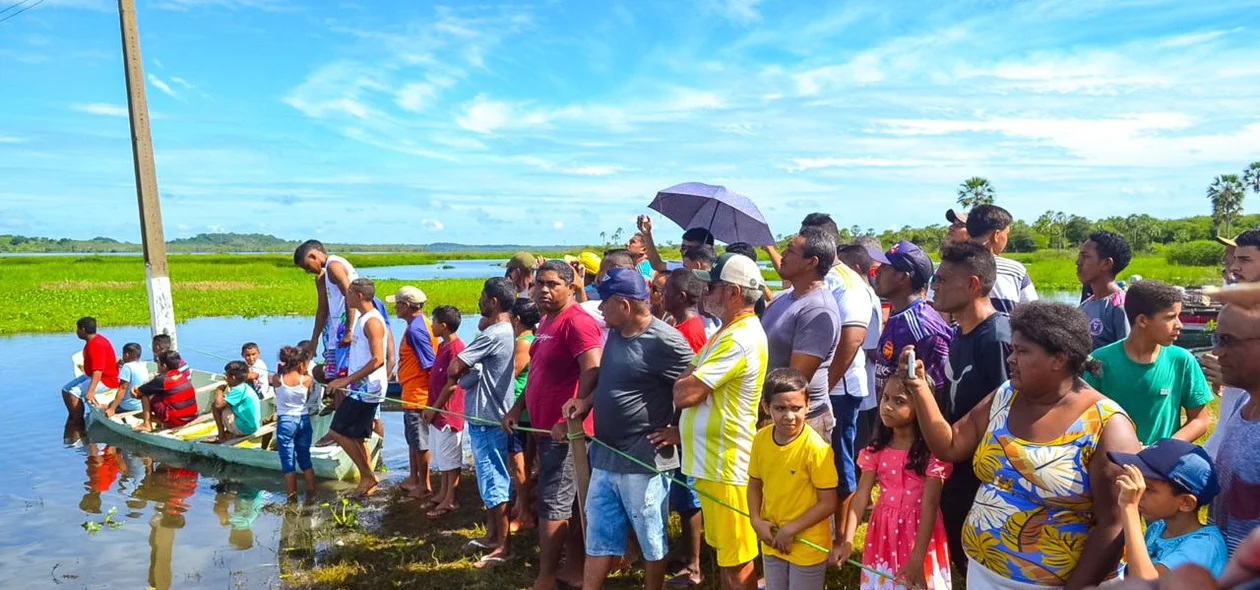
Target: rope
(582, 435)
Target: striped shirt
(859, 307)
(717, 434)
(1013, 285)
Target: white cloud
(12, 139)
(415, 96)
(182, 82)
(557, 225)
(485, 115)
(740, 11)
(103, 109)
(803, 164)
(432, 225)
(163, 86)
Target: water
(460, 269)
(185, 524)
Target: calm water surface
(185, 524)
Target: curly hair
(1113, 246)
(1058, 328)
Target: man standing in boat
(365, 382)
(334, 319)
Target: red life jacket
(174, 397)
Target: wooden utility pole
(158, 282)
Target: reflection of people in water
(103, 466)
(247, 503)
(169, 488)
(297, 537)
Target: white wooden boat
(256, 450)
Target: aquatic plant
(92, 527)
(346, 516)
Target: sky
(550, 122)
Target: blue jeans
(682, 499)
(78, 386)
(843, 438)
(293, 442)
(619, 502)
(490, 450)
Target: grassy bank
(47, 293)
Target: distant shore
(48, 293)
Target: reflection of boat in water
(256, 450)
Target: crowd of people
(1015, 442)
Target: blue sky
(548, 122)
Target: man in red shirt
(100, 369)
(564, 363)
(683, 292)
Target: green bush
(1196, 253)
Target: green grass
(48, 293)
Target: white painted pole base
(161, 308)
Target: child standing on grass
(445, 430)
(1167, 483)
(292, 385)
(257, 369)
(131, 374)
(791, 487)
(905, 536)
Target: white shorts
(445, 448)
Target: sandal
(438, 512)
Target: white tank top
(291, 401)
(337, 299)
(361, 354)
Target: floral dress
(894, 523)
(1035, 507)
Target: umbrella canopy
(729, 216)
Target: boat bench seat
(262, 431)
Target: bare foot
(143, 428)
(572, 579)
(417, 492)
(365, 488)
(408, 484)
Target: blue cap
(1177, 461)
(907, 257)
(623, 282)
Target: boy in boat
(1152, 379)
(365, 384)
(235, 403)
(132, 373)
(169, 398)
(100, 369)
(257, 376)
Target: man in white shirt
(990, 226)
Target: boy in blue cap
(1167, 483)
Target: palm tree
(975, 191)
(1251, 177)
(1226, 194)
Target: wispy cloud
(101, 108)
(157, 82)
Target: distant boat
(256, 450)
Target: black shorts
(354, 418)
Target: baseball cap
(956, 217)
(1177, 461)
(1231, 242)
(735, 269)
(408, 294)
(624, 282)
(589, 261)
(906, 257)
(523, 260)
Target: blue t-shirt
(244, 405)
(135, 374)
(1204, 547)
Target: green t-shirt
(520, 379)
(1152, 394)
(244, 403)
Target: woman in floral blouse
(1045, 515)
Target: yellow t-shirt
(791, 476)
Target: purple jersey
(920, 325)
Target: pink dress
(894, 521)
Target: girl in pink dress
(905, 537)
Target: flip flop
(440, 512)
(476, 544)
(489, 560)
(683, 579)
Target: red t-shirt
(98, 355)
(437, 380)
(693, 331)
(553, 363)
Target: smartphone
(910, 365)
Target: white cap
(408, 294)
(735, 269)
